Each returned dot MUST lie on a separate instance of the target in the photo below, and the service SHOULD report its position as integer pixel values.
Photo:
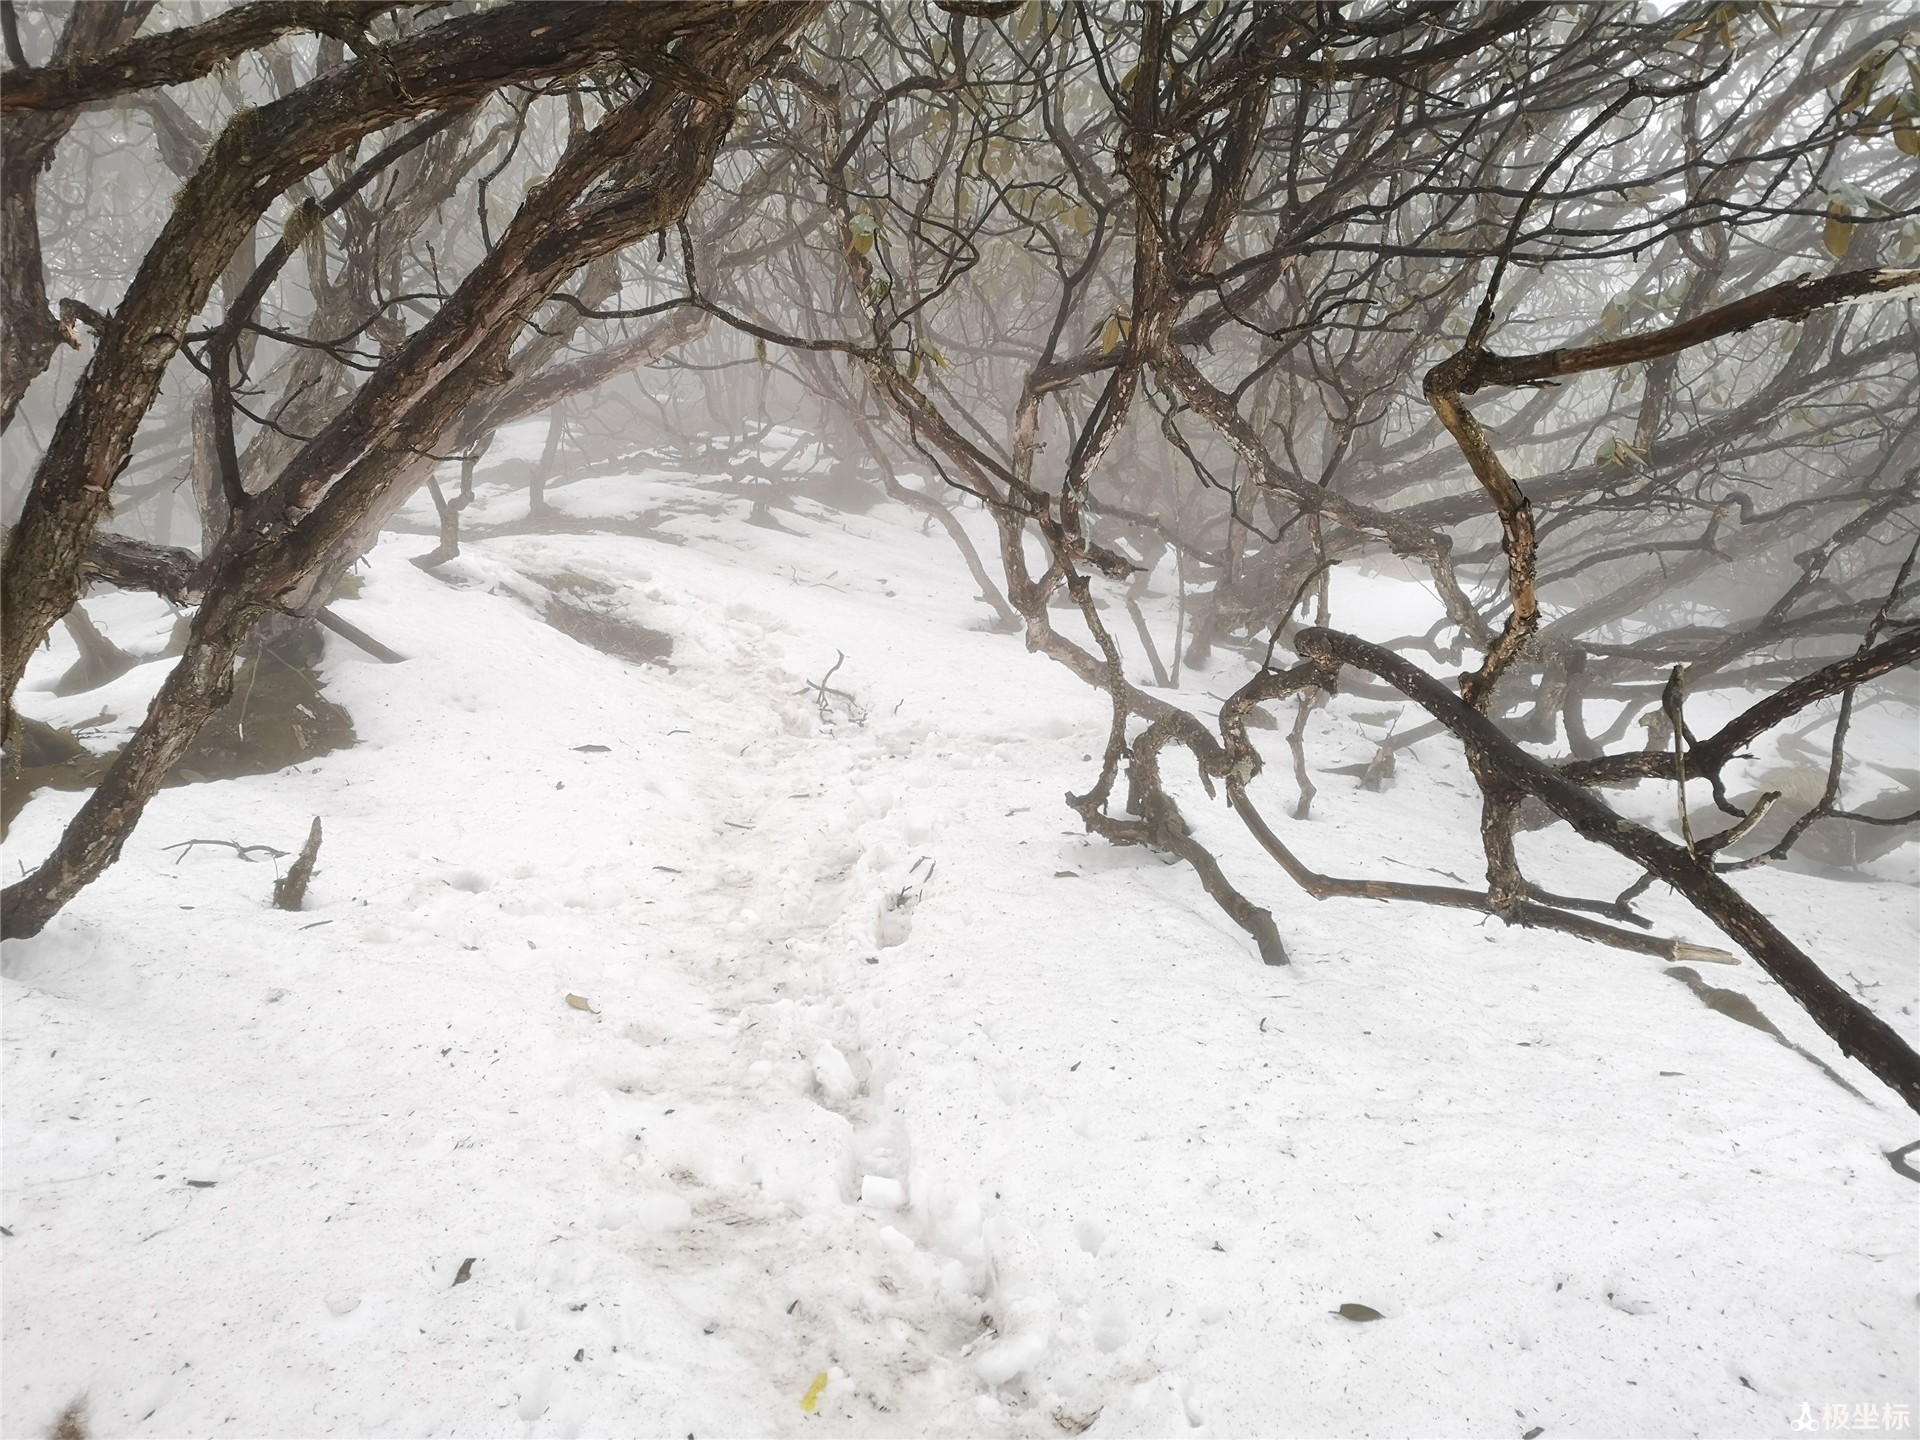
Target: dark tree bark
(290, 891)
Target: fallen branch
(1530, 914)
(246, 852)
(130, 564)
(1146, 642)
(824, 695)
(354, 635)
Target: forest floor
(898, 1105)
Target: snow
(898, 1106)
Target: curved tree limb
(176, 56)
(1851, 1025)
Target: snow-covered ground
(899, 1106)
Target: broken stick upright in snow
(290, 891)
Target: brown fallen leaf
(1358, 1313)
(466, 1271)
(580, 1002)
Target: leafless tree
(1275, 247)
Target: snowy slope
(890, 1075)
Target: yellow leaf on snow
(811, 1400)
(580, 1002)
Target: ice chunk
(663, 1210)
(882, 1193)
(1024, 1338)
(834, 1075)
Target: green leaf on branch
(1615, 451)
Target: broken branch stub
(290, 891)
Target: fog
(1586, 331)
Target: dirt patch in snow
(594, 621)
(278, 716)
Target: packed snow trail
(887, 1073)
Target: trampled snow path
(890, 1075)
